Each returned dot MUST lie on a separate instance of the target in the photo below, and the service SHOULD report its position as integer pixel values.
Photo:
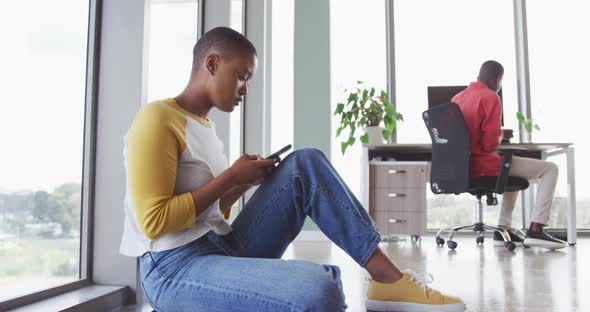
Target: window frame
(88, 168)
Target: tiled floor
(488, 278)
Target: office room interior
(75, 73)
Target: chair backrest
(451, 149)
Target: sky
(42, 82)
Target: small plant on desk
(364, 109)
(527, 123)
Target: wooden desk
(423, 152)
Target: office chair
(451, 152)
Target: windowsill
(88, 298)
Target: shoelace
(422, 280)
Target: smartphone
(276, 154)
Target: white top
(169, 153)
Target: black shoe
(542, 239)
(515, 237)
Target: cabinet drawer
(400, 222)
(385, 175)
(398, 199)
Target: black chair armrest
(507, 154)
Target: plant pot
(375, 135)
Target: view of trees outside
(39, 239)
(42, 86)
(558, 65)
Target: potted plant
(527, 123)
(375, 114)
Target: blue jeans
(242, 271)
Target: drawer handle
(397, 221)
(396, 195)
(397, 171)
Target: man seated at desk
(482, 110)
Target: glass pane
(172, 35)
(235, 127)
(443, 48)
(558, 79)
(281, 132)
(235, 118)
(358, 53)
(43, 80)
(237, 15)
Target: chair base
(480, 228)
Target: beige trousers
(529, 168)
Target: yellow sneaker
(410, 294)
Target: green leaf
(353, 97)
(365, 95)
(399, 117)
(372, 92)
(387, 119)
(338, 131)
(392, 126)
(390, 109)
(386, 134)
(537, 127)
(520, 117)
(378, 108)
(339, 108)
(365, 138)
(351, 140)
(528, 125)
(343, 146)
(358, 82)
(352, 129)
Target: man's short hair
(490, 70)
(223, 39)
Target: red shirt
(482, 110)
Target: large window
(282, 32)
(172, 35)
(235, 147)
(559, 67)
(358, 45)
(235, 127)
(442, 43)
(42, 87)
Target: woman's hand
(251, 169)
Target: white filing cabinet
(397, 196)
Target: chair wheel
(452, 244)
(440, 242)
(479, 240)
(416, 238)
(510, 245)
